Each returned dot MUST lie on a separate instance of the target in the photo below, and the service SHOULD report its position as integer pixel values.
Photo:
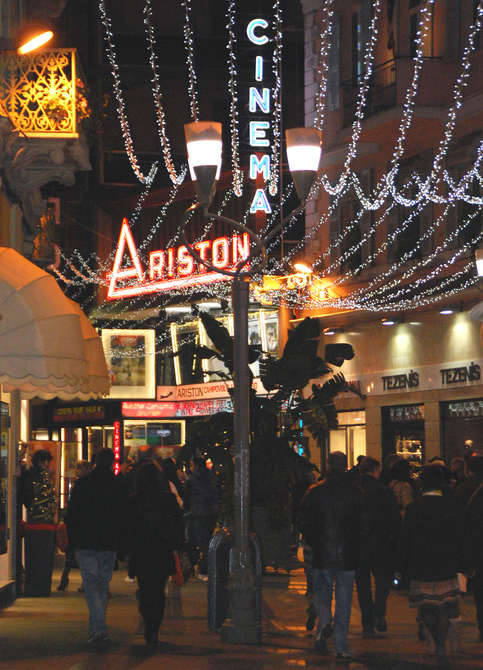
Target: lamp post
(479, 261)
(204, 146)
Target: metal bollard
(219, 568)
(219, 551)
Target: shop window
(461, 426)
(350, 436)
(164, 436)
(403, 432)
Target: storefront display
(461, 426)
(350, 436)
(164, 436)
(403, 432)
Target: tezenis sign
(172, 268)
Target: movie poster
(130, 361)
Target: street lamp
(204, 147)
(33, 37)
(479, 261)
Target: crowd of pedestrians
(371, 526)
(386, 526)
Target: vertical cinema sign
(259, 98)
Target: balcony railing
(382, 92)
(40, 92)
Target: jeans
(201, 530)
(372, 609)
(96, 571)
(324, 580)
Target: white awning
(48, 348)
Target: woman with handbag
(156, 531)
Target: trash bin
(39, 541)
(219, 568)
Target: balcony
(388, 85)
(42, 94)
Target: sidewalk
(50, 633)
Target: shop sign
(455, 374)
(158, 410)
(174, 267)
(470, 373)
(219, 389)
(79, 413)
(402, 381)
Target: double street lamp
(204, 146)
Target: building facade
(419, 379)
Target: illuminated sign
(172, 268)
(78, 413)
(159, 410)
(218, 389)
(116, 446)
(259, 101)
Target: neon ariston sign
(172, 268)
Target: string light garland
(121, 108)
(326, 34)
(157, 95)
(234, 102)
(276, 102)
(190, 58)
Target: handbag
(61, 537)
(184, 568)
(177, 578)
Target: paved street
(50, 633)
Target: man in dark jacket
(380, 534)
(330, 522)
(470, 493)
(96, 518)
(201, 507)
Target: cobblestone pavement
(50, 633)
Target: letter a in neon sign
(260, 202)
(125, 239)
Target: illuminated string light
(233, 88)
(323, 62)
(276, 92)
(157, 95)
(121, 108)
(189, 50)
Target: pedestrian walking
(83, 468)
(471, 495)
(380, 528)
(431, 555)
(96, 523)
(201, 507)
(156, 530)
(330, 521)
(401, 485)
